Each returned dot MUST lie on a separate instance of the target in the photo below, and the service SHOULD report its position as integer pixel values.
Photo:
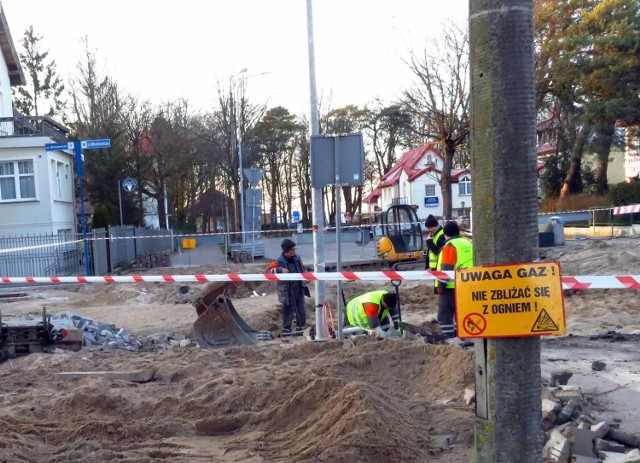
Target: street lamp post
(239, 137)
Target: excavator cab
(402, 238)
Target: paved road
(208, 254)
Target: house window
(464, 186)
(429, 190)
(17, 180)
(60, 179)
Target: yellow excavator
(402, 238)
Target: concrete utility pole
(503, 149)
(319, 264)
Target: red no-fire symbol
(474, 324)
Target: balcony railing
(398, 201)
(32, 126)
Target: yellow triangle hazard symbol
(544, 322)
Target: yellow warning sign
(510, 300)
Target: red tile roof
(373, 196)
(407, 163)
(547, 148)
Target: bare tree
(439, 101)
(388, 127)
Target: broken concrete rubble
(109, 337)
(574, 435)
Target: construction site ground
(291, 400)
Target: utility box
(551, 233)
(545, 239)
(557, 227)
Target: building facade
(36, 186)
(415, 179)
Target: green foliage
(588, 60)
(623, 194)
(276, 136)
(589, 180)
(98, 107)
(104, 216)
(42, 96)
(552, 178)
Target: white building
(415, 180)
(36, 186)
(632, 153)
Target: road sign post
(77, 147)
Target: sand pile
(294, 402)
(377, 401)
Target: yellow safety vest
(433, 257)
(464, 252)
(355, 308)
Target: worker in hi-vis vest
(435, 241)
(457, 252)
(375, 309)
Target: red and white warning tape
(575, 282)
(633, 209)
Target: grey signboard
(347, 150)
(253, 197)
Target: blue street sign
(77, 147)
(296, 216)
(91, 144)
(58, 146)
(431, 201)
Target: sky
(161, 51)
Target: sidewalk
(211, 254)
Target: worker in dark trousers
(457, 252)
(290, 293)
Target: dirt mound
(293, 401)
(379, 401)
(596, 257)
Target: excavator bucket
(219, 324)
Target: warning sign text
(512, 300)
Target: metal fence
(122, 247)
(100, 251)
(63, 255)
(152, 241)
(126, 242)
(41, 255)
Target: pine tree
(42, 96)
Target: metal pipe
(338, 194)
(120, 201)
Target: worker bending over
(375, 309)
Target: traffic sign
(510, 300)
(58, 146)
(129, 185)
(296, 216)
(91, 144)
